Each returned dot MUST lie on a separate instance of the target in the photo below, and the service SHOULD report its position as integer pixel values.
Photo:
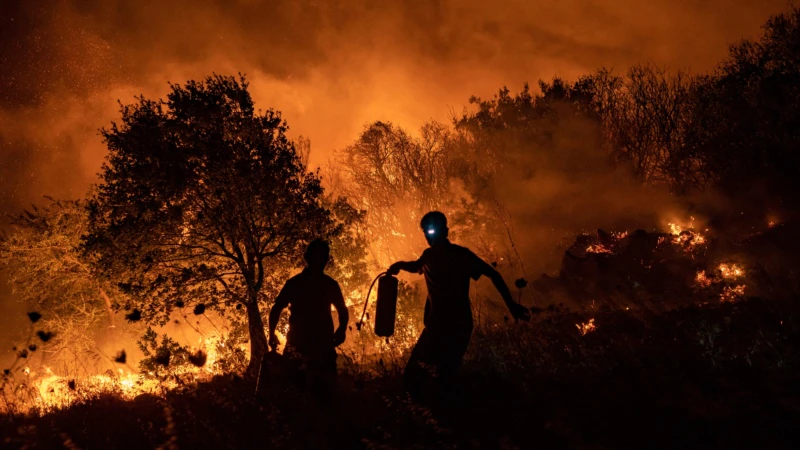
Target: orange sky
(331, 67)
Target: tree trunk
(109, 309)
(258, 338)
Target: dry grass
(706, 377)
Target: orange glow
(49, 391)
(732, 293)
(702, 280)
(731, 271)
(586, 327)
(597, 248)
(329, 80)
(686, 234)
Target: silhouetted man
(448, 269)
(311, 339)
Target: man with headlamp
(447, 268)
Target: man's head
(434, 225)
(318, 253)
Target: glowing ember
(597, 248)
(586, 327)
(52, 391)
(731, 293)
(731, 271)
(46, 391)
(689, 237)
(686, 235)
(674, 229)
(702, 280)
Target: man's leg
(297, 367)
(451, 348)
(415, 373)
(322, 376)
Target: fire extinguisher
(385, 306)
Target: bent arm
(484, 269)
(275, 313)
(408, 266)
(502, 287)
(480, 268)
(341, 310)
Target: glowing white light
(431, 231)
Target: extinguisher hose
(366, 300)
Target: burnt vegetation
(681, 336)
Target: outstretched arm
(344, 317)
(408, 266)
(518, 311)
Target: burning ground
(669, 338)
(715, 377)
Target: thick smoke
(330, 67)
(549, 194)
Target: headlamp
(431, 231)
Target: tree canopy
(204, 201)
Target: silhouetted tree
(748, 115)
(349, 248)
(517, 129)
(396, 178)
(204, 201)
(517, 136)
(736, 128)
(646, 117)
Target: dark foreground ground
(719, 376)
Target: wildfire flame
(731, 293)
(702, 280)
(47, 391)
(686, 235)
(674, 229)
(597, 248)
(601, 248)
(586, 327)
(727, 272)
(731, 271)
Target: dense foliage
(204, 202)
(735, 128)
